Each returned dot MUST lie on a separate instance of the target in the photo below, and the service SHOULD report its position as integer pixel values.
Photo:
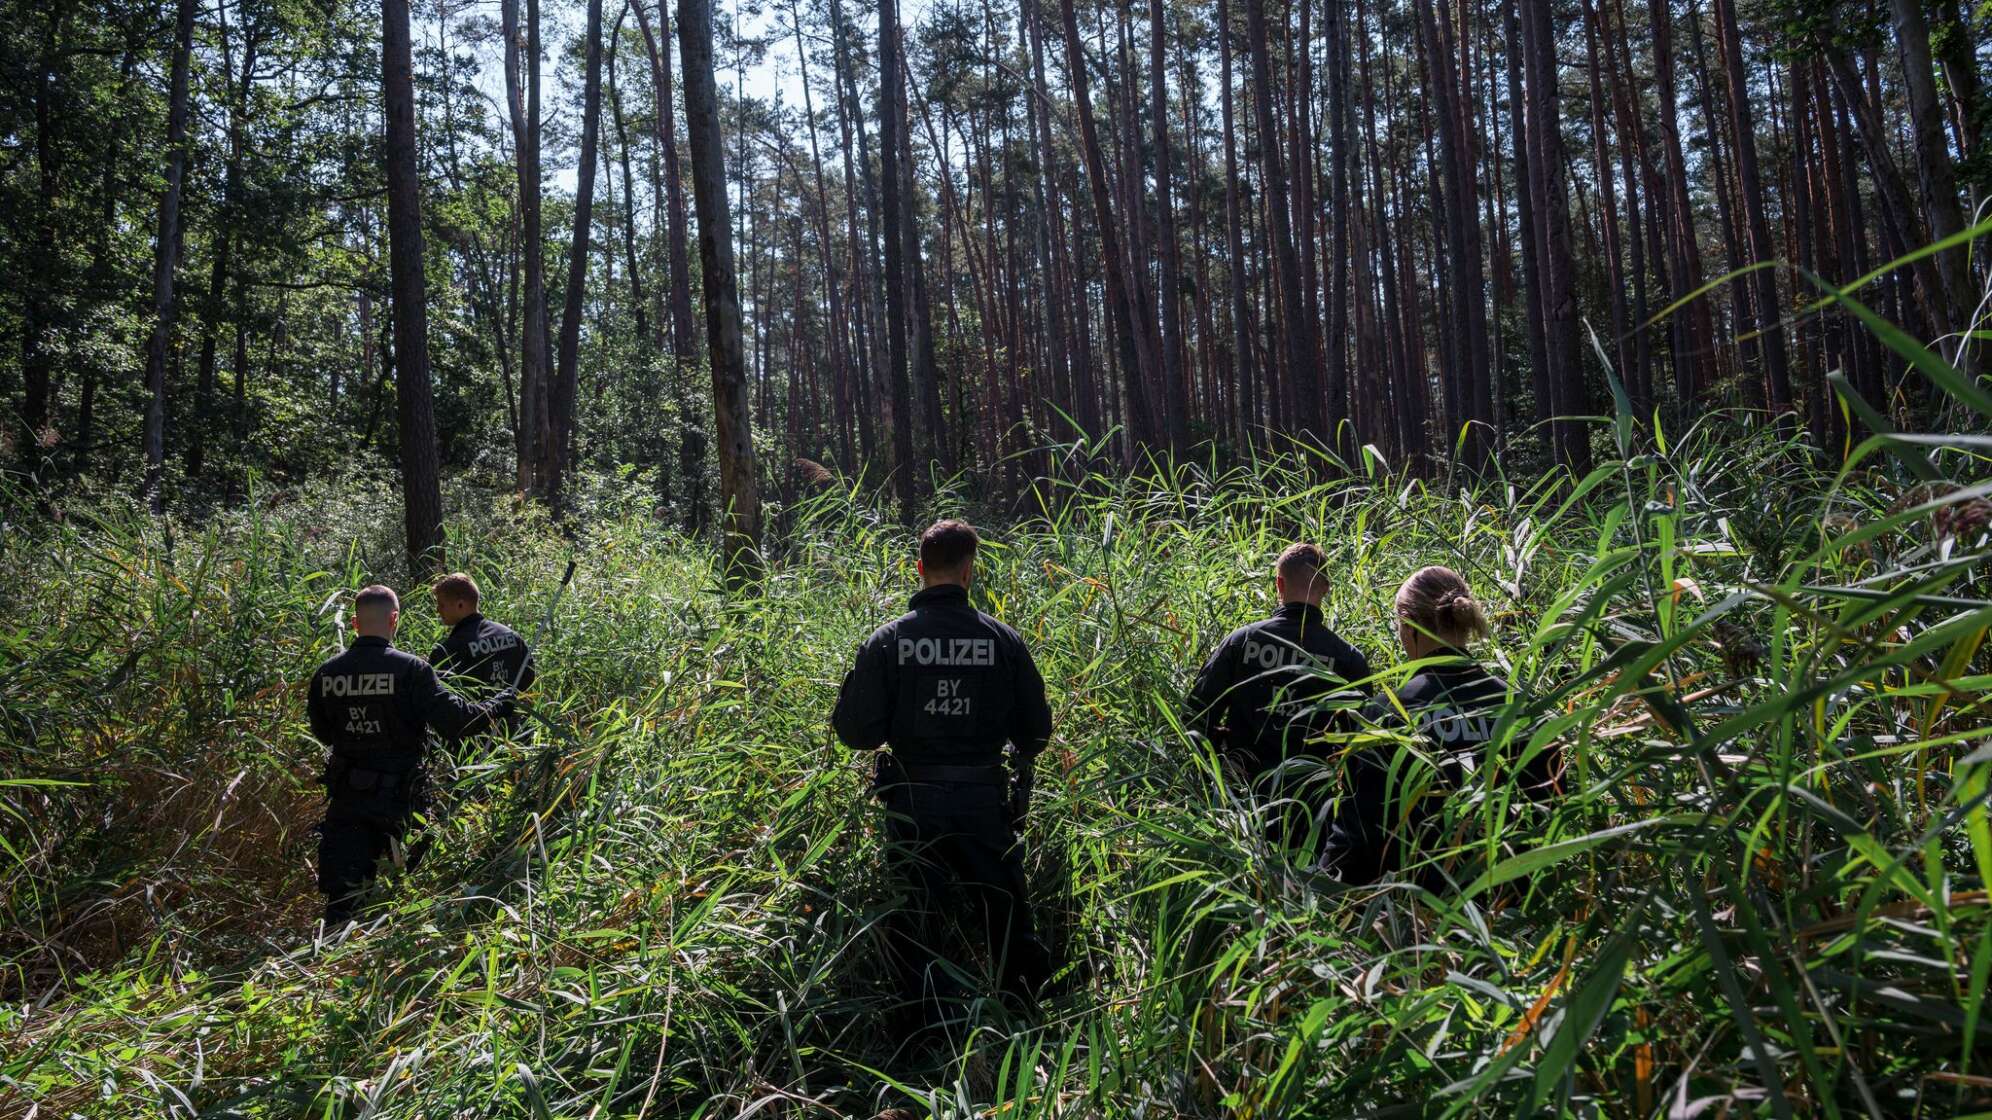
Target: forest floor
(1761, 891)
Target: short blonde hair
(1437, 601)
(457, 587)
(1300, 565)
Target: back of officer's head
(1299, 577)
(376, 611)
(947, 552)
(456, 597)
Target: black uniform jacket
(944, 684)
(485, 651)
(374, 704)
(1453, 707)
(1259, 696)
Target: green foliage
(1763, 885)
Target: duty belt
(389, 763)
(989, 774)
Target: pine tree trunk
(1935, 175)
(833, 278)
(1467, 288)
(1769, 341)
(522, 84)
(420, 487)
(1175, 386)
(1242, 376)
(1135, 359)
(684, 337)
(739, 479)
(638, 306)
(1601, 169)
(1693, 329)
(891, 123)
(166, 260)
(557, 454)
(924, 371)
(1335, 388)
(1557, 288)
(1297, 324)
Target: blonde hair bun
(1436, 600)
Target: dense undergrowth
(1761, 892)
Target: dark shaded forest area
(961, 234)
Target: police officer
(1453, 707)
(477, 651)
(1260, 697)
(374, 705)
(946, 687)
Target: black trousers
(952, 849)
(366, 814)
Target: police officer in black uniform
(1452, 705)
(1265, 692)
(946, 687)
(484, 655)
(374, 705)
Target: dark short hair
(379, 596)
(457, 587)
(1300, 565)
(947, 545)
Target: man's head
(1297, 576)
(376, 612)
(947, 553)
(456, 598)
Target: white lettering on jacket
(1450, 725)
(485, 647)
(356, 684)
(951, 652)
(1272, 655)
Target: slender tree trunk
(833, 279)
(1971, 107)
(217, 306)
(1601, 169)
(1135, 359)
(739, 479)
(1553, 240)
(1693, 329)
(684, 338)
(1242, 329)
(1341, 133)
(863, 277)
(1770, 340)
(924, 370)
(166, 260)
(1050, 231)
(1175, 385)
(420, 488)
(1935, 175)
(40, 298)
(522, 87)
(638, 307)
(1468, 280)
(678, 309)
(1297, 323)
(1635, 170)
(891, 123)
(557, 454)
(1520, 117)
(1899, 219)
